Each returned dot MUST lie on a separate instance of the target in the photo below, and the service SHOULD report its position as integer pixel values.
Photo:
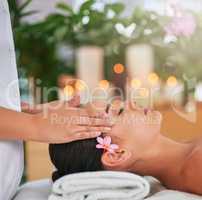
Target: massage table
(158, 192)
(40, 190)
(36, 190)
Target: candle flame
(119, 68)
(153, 78)
(69, 91)
(104, 84)
(144, 92)
(136, 83)
(80, 85)
(172, 81)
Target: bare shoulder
(192, 170)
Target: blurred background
(148, 49)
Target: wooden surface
(174, 126)
(182, 126)
(38, 165)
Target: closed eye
(108, 108)
(121, 111)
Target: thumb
(85, 135)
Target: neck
(164, 159)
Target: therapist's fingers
(96, 108)
(84, 135)
(84, 112)
(80, 129)
(88, 121)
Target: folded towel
(104, 185)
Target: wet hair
(75, 157)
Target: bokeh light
(80, 85)
(171, 81)
(104, 84)
(153, 78)
(144, 92)
(119, 68)
(136, 83)
(69, 91)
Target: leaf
(13, 6)
(64, 7)
(60, 33)
(28, 13)
(24, 5)
(118, 8)
(86, 5)
(138, 13)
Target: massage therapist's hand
(62, 123)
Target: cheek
(146, 133)
(154, 130)
(119, 131)
(151, 125)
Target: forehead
(118, 131)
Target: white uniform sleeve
(11, 152)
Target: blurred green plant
(35, 49)
(37, 44)
(17, 11)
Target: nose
(132, 106)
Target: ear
(117, 160)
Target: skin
(143, 150)
(56, 122)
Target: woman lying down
(134, 145)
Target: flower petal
(114, 146)
(100, 140)
(110, 150)
(99, 146)
(107, 140)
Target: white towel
(104, 185)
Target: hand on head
(62, 122)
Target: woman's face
(136, 128)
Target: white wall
(156, 5)
(47, 6)
(160, 5)
(130, 4)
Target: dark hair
(75, 157)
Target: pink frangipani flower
(105, 143)
(184, 25)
